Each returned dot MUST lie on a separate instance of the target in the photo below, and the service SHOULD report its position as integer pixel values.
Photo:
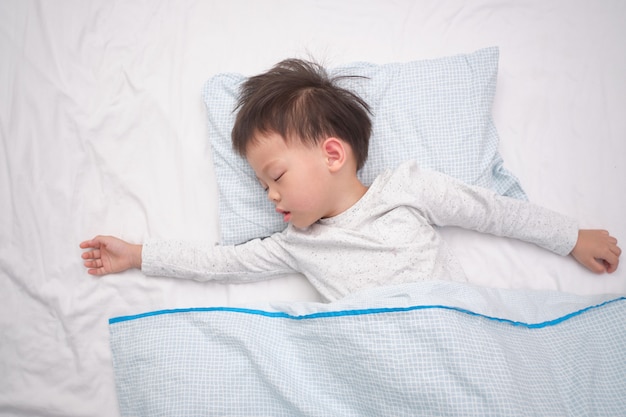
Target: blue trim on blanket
(358, 312)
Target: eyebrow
(268, 165)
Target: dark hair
(298, 99)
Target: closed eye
(266, 186)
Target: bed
(105, 131)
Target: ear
(334, 151)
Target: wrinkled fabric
(103, 131)
(430, 348)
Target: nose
(273, 195)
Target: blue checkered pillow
(437, 112)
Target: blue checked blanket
(431, 348)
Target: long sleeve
(385, 238)
(448, 202)
(252, 261)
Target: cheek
(304, 196)
(312, 196)
(306, 185)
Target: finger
(616, 250)
(611, 262)
(96, 271)
(87, 244)
(92, 243)
(597, 266)
(93, 254)
(605, 262)
(612, 267)
(96, 267)
(94, 263)
(608, 266)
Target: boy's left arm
(597, 250)
(450, 202)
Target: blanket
(430, 348)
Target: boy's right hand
(109, 255)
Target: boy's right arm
(110, 255)
(255, 260)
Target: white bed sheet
(103, 131)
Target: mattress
(104, 131)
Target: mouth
(286, 215)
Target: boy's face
(295, 177)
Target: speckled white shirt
(387, 237)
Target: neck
(347, 193)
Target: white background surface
(103, 131)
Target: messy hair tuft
(299, 100)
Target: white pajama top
(387, 237)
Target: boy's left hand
(597, 250)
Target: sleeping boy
(305, 138)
